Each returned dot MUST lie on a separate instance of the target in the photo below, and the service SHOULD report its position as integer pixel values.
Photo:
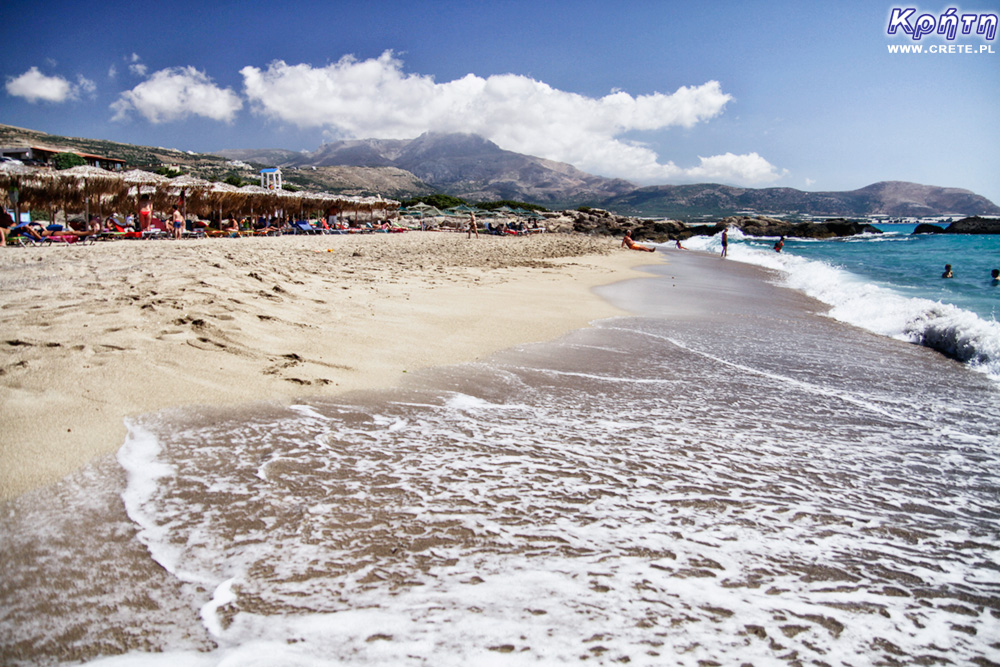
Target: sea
(772, 459)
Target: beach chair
(116, 231)
(303, 227)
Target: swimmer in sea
(779, 245)
(947, 272)
(995, 274)
(627, 242)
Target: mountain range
(475, 169)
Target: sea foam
(953, 331)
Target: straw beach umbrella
(25, 186)
(225, 197)
(191, 194)
(93, 183)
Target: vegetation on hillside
(493, 205)
(437, 200)
(442, 201)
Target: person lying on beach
(947, 272)
(55, 229)
(264, 227)
(627, 242)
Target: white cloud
(135, 65)
(176, 93)
(85, 85)
(34, 86)
(112, 71)
(375, 98)
(749, 168)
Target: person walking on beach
(725, 242)
(472, 226)
(947, 272)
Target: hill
(475, 169)
(389, 182)
(463, 165)
(891, 198)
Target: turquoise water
(891, 284)
(912, 264)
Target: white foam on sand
(464, 529)
(956, 332)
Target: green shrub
(67, 160)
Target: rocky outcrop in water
(600, 222)
(974, 225)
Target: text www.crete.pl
(940, 48)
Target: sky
(800, 94)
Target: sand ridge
(91, 335)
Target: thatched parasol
(226, 197)
(93, 183)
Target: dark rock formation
(974, 225)
(925, 228)
(600, 222)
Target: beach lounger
(303, 227)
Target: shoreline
(679, 450)
(101, 333)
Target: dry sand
(93, 334)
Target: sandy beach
(92, 335)
(717, 473)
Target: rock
(925, 228)
(599, 222)
(974, 225)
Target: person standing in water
(725, 242)
(947, 272)
(995, 275)
(779, 245)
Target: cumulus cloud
(176, 93)
(375, 98)
(34, 86)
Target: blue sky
(795, 94)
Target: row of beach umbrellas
(87, 188)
